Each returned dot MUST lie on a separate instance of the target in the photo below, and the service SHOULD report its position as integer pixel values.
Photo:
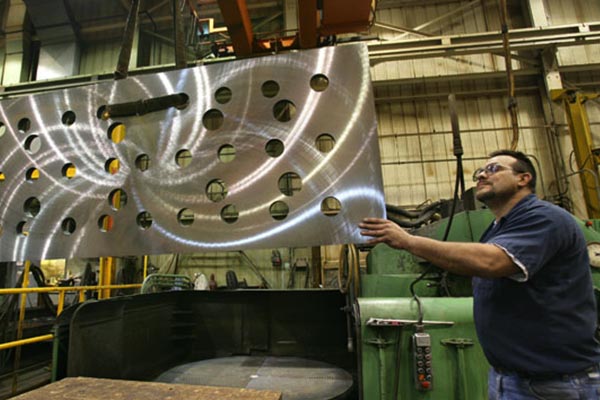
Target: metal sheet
(66, 127)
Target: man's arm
(473, 259)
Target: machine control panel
(423, 372)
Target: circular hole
(274, 147)
(185, 217)
(2, 129)
(68, 118)
(23, 228)
(68, 171)
(183, 158)
(330, 206)
(223, 95)
(229, 214)
(289, 183)
(32, 174)
(216, 190)
(117, 199)
(105, 223)
(270, 89)
(101, 113)
(142, 162)
(112, 166)
(226, 153)
(32, 207)
(279, 210)
(144, 220)
(212, 119)
(183, 100)
(68, 226)
(319, 82)
(117, 132)
(284, 110)
(33, 144)
(325, 143)
(24, 125)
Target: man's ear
(524, 179)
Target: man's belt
(550, 375)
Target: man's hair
(522, 164)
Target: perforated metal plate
(278, 151)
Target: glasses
(490, 169)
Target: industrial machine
(403, 335)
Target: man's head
(506, 173)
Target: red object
(212, 283)
(425, 385)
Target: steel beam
(236, 17)
(487, 42)
(122, 69)
(458, 10)
(343, 16)
(307, 20)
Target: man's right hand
(385, 231)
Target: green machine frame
(387, 315)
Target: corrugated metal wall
(99, 57)
(416, 143)
(415, 135)
(572, 12)
(481, 17)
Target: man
(534, 308)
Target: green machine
(425, 347)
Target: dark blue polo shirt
(543, 320)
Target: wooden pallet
(107, 389)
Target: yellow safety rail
(61, 303)
(35, 339)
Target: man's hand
(471, 259)
(384, 231)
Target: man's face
(498, 180)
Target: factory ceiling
(98, 20)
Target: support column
(16, 59)
(586, 154)
(290, 16)
(537, 12)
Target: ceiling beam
(486, 42)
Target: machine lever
(141, 107)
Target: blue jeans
(509, 386)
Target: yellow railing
(35, 339)
(104, 287)
(61, 290)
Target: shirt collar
(523, 203)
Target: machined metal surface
(277, 151)
(296, 378)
